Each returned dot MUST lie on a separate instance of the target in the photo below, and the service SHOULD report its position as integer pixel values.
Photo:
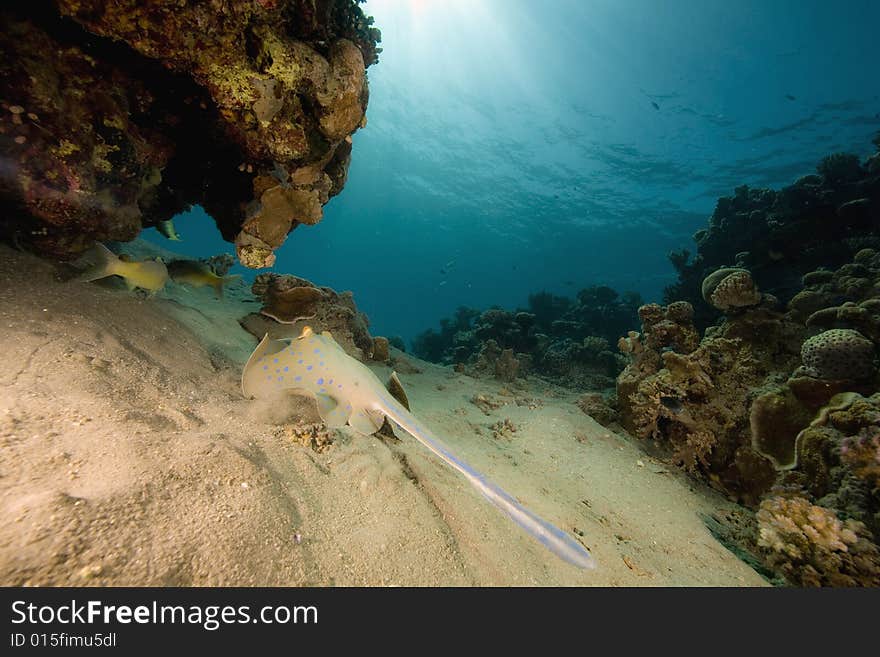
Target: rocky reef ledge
(116, 115)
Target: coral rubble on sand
(118, 115)
(777, 404)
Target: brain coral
(838, 354)
(730, 288)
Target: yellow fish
(199, 274)
(150, 275)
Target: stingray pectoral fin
(333, 414)
(366, 422)
(254, 381)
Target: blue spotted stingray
(347, 392)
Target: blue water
(515, 146)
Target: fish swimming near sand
(199, 274)
(150, 275)
(167, 229)
(347, 392)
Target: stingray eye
(307, 331)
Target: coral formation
(730, 288)
(220, 264)
(290, 303)
(848, 297)
(811, 546)
(132, 112)
(566, 340)
(599, 408)
(776, 397)
(381, 349)
(778, 236)
(502, 429)
(838, 354)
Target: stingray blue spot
(281, 378)
(321, 363)
(269, 378)
(286, 368)
(330, 382)
(309, 367)
(265, 367)
(320, 382)
(317, 351)
(275, 360)
(339, 386)
(299, 378)
(323, 389)
(348, 408)
(300, 361)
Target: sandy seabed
(128, 456)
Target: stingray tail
(556, 540)
(101, 263)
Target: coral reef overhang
(115, 116)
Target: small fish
(150, 275)
(199, 274)
(655, 105)
(168, 230)
(790, 97)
